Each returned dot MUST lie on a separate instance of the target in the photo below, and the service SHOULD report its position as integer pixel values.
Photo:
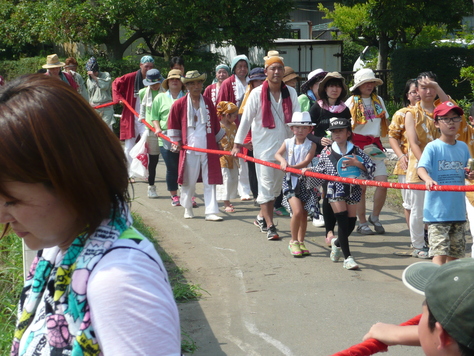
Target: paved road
(261, 300)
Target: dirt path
(261, 300)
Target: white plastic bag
(139, 154)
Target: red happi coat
(210, 92)
(177, 123)
(123, 89)
(227, 90)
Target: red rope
(372, 346)
(373, 183)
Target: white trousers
(129, 143)
(417, 227)
(228, 190)
(270, 181)
(244, 182)
(192, 166)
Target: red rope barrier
(367, 182)
(372, 346)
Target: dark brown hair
(49, 134)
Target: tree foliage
(168, 27)
(388, 23)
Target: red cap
(443, 108)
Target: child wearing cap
(152, 84)
(446, 326)
(443, 162)
(297, 152)
(227, 113)
(342, 197)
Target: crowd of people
(255, 111)
(79, 218)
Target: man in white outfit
(268, 109)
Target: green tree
(168, 27)
(388, 23)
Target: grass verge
(11, 282)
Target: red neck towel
(268, 120)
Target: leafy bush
(446, 62)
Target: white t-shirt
(266, 142)
(373, 125)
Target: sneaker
(304, 250)
(195, 205)
(364, 229)
(377, 225)
(152, 192)
(335, 251)
(319, 221)
(175, 201)
(188, 213)
(213, 217)
(272, 233)
(261, 223)
(295, 249)
(349, 263)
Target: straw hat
(365, 75)
(173, 73)
(290, 74)
(329, 76)
(193, 76)
(52, 61)
(301, 119)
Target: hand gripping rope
(367, 182)
(370, 346)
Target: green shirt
(161, 109)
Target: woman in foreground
(96, 287)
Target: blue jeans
(172, 161)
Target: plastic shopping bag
(139, 154)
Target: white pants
(192, 166)
(244, 182)
(129, 143)
(417, 227)
(228, 190)
(269, 183)
(470, 218)
(406, 193)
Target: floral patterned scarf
(62, 285)
(359, 115)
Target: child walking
(443, 162)
(297, 152)
(342, 197)
(228, 113)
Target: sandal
(229, 209)
(421, 253)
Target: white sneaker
(319, 221)
(349, 263)
(188, 213)
(213, 217)
(152, 192)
